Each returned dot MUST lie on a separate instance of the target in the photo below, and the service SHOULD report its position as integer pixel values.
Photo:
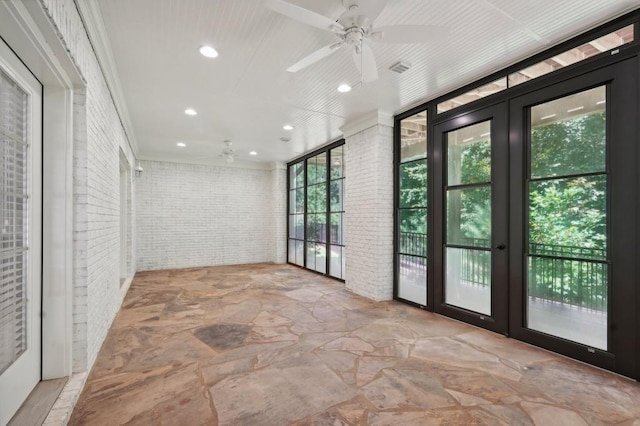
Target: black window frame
(326, 149)
(630, 50)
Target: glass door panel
(296, 214)
(567, 272)
(336, 213)
(468, 218)
(411, 261)
(573, 218)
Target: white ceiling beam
(608, 42)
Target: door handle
(501, 246)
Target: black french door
(573, 248)
(470, 183)
(535, 220)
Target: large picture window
(316, 212)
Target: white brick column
(279, 209)
(369, 207)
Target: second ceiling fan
(354, 28)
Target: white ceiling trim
(97, 33)
(218, 162)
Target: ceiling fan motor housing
(354, 36)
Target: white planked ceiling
(246, 96)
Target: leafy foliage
(413, 197)
(567, 211)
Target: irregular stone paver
(407, 389)
(272, 344)
(350, 344)
(543, 414)
(223, 336)
(279, 394)
(450, 351)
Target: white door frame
(22, 375)
(26, 28)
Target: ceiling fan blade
(408, 34)
(366, 64)
(371, 8)
(303, 15)
(315, 57)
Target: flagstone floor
(272, 344)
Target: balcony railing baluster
(569, 275)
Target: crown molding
(217, 162)
(97, 33)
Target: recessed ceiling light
(190, 111)
(344, 88)
(253, 153)
(181, 144)
(208, 51)
(287, 127)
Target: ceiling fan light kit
(355, 28)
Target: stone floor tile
(543, 415)
(450, 351)
(213, 373)
(466, 399)
(338, 361)
(267, 319)
(167, 395)
(511, 414)
(412, 390)
(350, 344)
(369, 367)
(223, 336)
(279, 394)
(272, 344)
(424, 418)
(304, 295)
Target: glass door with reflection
(566, 260)
(411, 260)
(573, 218)
(468, 218)
(471, 228)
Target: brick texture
(98, 137)
(196, 215)
(369, 212)
(279, 211)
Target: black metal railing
(475, 267)
(413, 243)
(575, 276)
(567, 251)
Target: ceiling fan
(355, 28)
(228, 153)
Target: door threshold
(35, 409)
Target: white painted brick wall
(279, 211)
(197, 215)
(369, 212)
(98, 134)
